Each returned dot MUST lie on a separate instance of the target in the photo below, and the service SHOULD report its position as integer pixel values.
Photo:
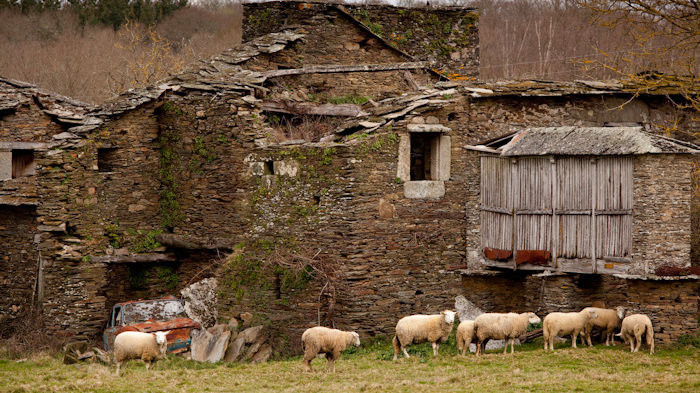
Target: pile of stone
(225, 342)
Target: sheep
(332, 342)
(148, 347)
(565, 323)
(608, 320)
(421, 328)
(465, 335)
(633, 328)
(501, 326)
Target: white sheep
(332, 342)
(465, 335)
(608, 320)
(421, 328)
(500, 326)
(149, 347)
(564, 324)
(633, 328)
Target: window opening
(107, 159)
(22, 163)
(422, 146)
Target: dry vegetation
(94, 62)
(547, 39)
(599, 369)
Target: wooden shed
(585, 200)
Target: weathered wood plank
(328, 69)
(312, 108)
(134, 258)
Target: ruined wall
(344, 44)
(448, 37)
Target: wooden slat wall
(533, 231)
(614, 192)
(529, 196)
(574, 178)
(497, 228)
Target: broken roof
(576, 140)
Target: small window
(421, 148)
(22, 163)
(107, 159)
(269, 168)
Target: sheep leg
(505, 347)
(119, 365)
(148, 365)
(435, 348)
(512, 345)
(638, 339)
(574, 338)
(404, 351)
(308, 357)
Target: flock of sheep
(435, 329)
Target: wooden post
(594, 189)
(555, 223)
(516, 200)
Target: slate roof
(576, 140)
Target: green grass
(370, 369)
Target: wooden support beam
(331, 69)
(134, 258)
(312, 108)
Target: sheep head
(355, 339)
(162, 341)
(448, 316)
(621, 312)
(533, 318)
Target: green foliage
(689, 340)
(205, 152)
(327, 156)
(114, 234)
(138, 276)
(146, 240)
(170, 213)
(168, 276)
(116, 13)
(397, 180)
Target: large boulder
(200, 302)
(210, 345)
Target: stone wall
(663, 190)
(448, 37)
(671, 305)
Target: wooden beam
(134, 258)
(312, 108)
(331, 69)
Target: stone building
(346, 158)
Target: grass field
(370, 369)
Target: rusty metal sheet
(533, 257)
(496, 254)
